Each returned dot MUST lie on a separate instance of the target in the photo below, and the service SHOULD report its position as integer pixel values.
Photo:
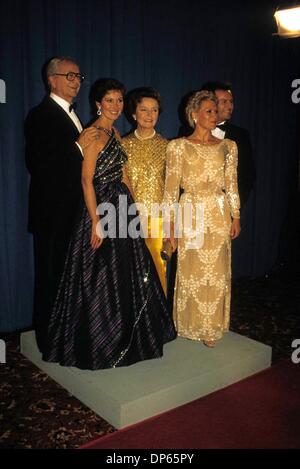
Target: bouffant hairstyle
(135, 96)
(195, 102)
(103, 86)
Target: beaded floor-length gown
(205, 175)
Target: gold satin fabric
(154, 245)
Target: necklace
(144, 138)
(197, 141)
(202, 141)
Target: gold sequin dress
(207, 175)
(146, 167)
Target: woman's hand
(235, 228)
(168, 229)
(96, 236)
(173, 242)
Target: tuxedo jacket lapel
(61, 114)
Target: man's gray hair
(52, 66)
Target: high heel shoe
(210, 343)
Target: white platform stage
(187, 371)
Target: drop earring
(99, 111)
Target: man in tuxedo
(54, 145)
(225, 129)
(245, 169)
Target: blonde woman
(203, 169)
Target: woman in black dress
(110, 309)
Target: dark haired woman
(146, 165)
(110, 309)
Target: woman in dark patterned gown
(110, 309)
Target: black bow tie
(72, 106)
(221, 126)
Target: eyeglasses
(71, 76)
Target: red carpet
(262, 411)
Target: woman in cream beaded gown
(204, 170)
(146, 151)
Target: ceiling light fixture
(288, 22)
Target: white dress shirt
(219, 133)
(65, 106)
(72, 115)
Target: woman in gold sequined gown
(146, 151)
(204, 169)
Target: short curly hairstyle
(102, 86)
(195, 102)
(135, 96)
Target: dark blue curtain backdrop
(174, 46)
